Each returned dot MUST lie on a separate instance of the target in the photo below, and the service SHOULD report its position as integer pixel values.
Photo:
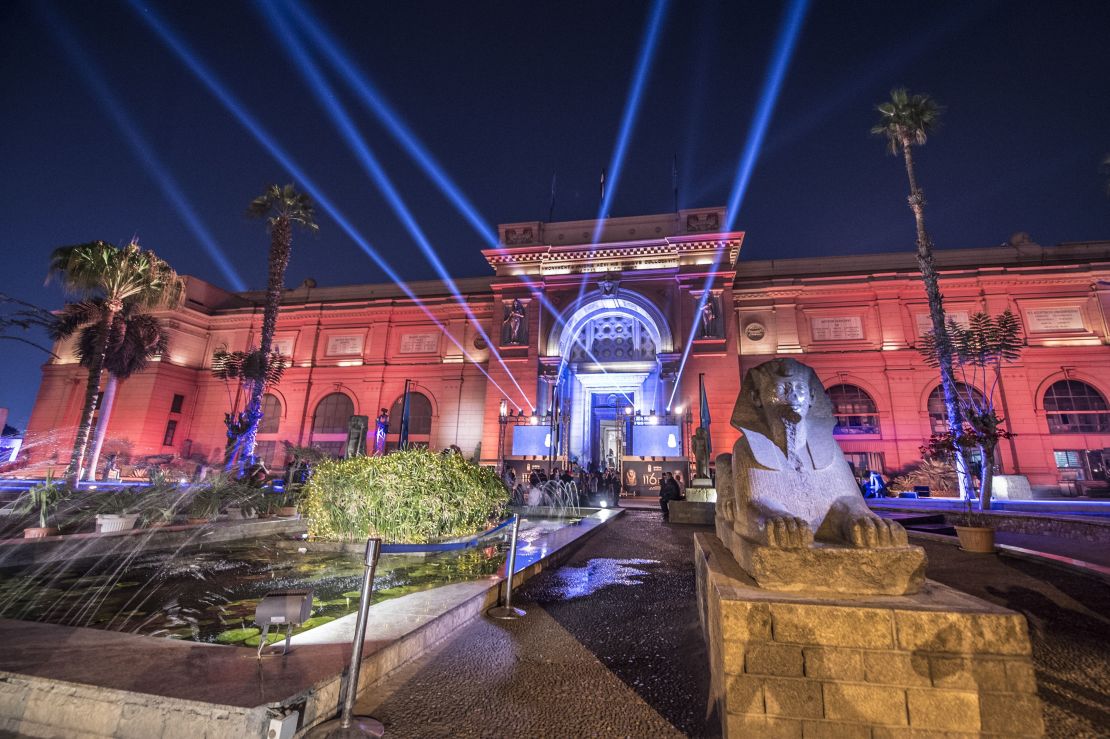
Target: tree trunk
(986, 476)
(102, 424)
(281, 242)
(927, 265)
(96, 366)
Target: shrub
(408, 496)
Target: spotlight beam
(328, 45)
(138, 143)
(628, 121)
(328, 99)
(631, 109)
(210, 81)
(772, 85)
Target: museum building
(591, 340)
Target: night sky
(503, 94)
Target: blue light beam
(327, 44)
(631, 109)
(327, 98)
(628, 122)
(263, 137)
(139, 145)
(772, 85)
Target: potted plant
(204, 506)
(288, 501)
(43, 500)
(269, 504)
(975, 534)
(116, 511)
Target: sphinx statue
(791, 512)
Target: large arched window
(329, 423)
(266, 445)
(854, 410)
(271, 414)
(938, 414)
(420, 419)
(1074, 407)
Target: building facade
(590, 340)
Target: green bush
(408, 496)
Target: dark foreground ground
(611, 646)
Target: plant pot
(288, 511)
(235, 513)
(39, 533)
(979, 539)
(196, 521)
(109, 522)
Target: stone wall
(939, 663)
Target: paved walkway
(611, 646)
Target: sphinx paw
(871, 532)
(788, 532)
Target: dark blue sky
(503, 93)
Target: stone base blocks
(935, 664)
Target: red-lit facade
(609, 323)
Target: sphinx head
(781, 391)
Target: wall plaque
(419, 343)
(344, 345)
(284, 347)
(755, 331)
(925, 322)
(836, 328)
(1046, 320)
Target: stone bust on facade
(794, 517)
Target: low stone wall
(1079, 528)
(939, 663)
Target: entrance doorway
(608, 415)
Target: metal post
(348, 725)
(507, 611)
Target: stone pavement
(611, 646)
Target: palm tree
(134, 339)
(282, 207)
(248, 369)
(905, 121)
(114, 275)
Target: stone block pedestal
(692, 512)
(936, 663)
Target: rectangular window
(178, 402)
(171, 429)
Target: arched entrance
(609, 347)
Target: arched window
(854, 410)
(938, 414)
(271, 414)
(420, 418)
(266, 445)
(329, 424)
(1074, 407)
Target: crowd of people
(593, 484)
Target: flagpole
(674, 181)
(551, 207)
(403, 437)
